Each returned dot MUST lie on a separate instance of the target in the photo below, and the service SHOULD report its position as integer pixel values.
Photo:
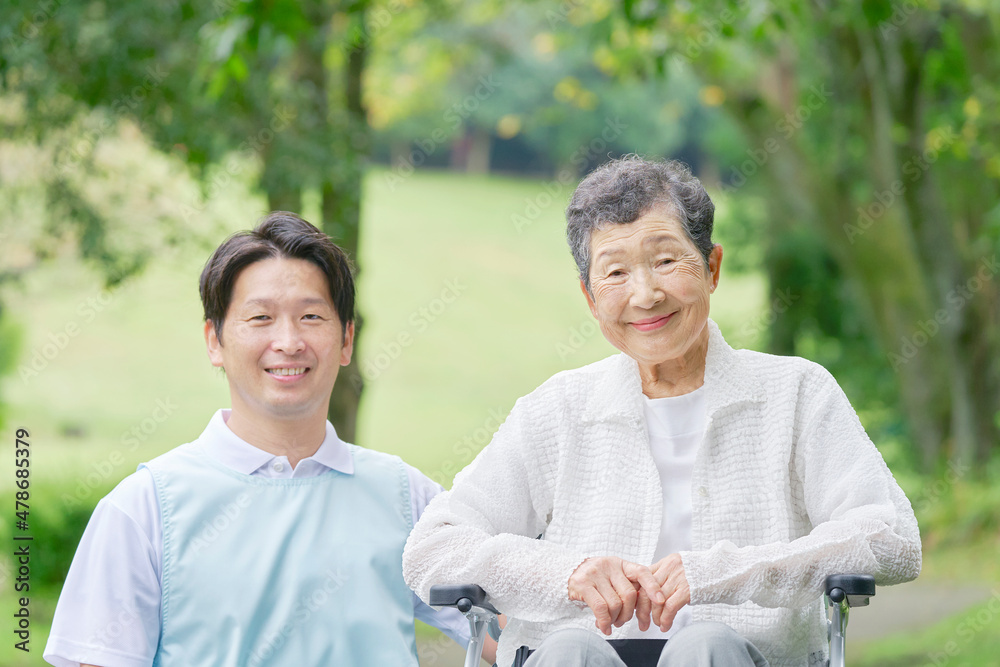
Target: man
(268, 540)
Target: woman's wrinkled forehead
(664, 211)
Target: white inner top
(676, 427)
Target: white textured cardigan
(787, 488)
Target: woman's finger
(626, 592)
(643, 607)
(613, 603)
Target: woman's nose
(645, 292)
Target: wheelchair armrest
(472, 601)
(463, 596)
(857, 589)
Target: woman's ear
(590, 299)
(715, 265)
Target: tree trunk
(477, 160)
(289, 199)
(333, 117)
(341, 209)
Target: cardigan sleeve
(862, 523)
(484, 530)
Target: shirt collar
(237, 454)
(618, 395)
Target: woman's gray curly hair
(624, 190)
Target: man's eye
(260, 318)
(617, 273)
(665, 261)
(312, 316)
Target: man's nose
(288, 337)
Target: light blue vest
(290, 572)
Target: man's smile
(288, 372)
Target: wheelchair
(842, 591)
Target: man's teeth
(286, 371)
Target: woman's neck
(679, 376)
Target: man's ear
(589, 298)
(213, 344)
(715, 264)
(348, 347)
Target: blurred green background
(852, 150)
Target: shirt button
(702, 491)
(278, 466)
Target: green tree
(876, 126)
(264, 90)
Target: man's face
(282, 344)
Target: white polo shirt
(111, 596)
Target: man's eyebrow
(308, 301)
(258, 302)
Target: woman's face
(650, 288)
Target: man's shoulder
(362, 454)
(178, 455)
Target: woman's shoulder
(573, 386)
(780, 373)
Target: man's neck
(294, 439)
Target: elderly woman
(681, 489)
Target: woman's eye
(664, 262)
(617, 273)
(259, 318)
(312, 316)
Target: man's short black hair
(279, 234)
